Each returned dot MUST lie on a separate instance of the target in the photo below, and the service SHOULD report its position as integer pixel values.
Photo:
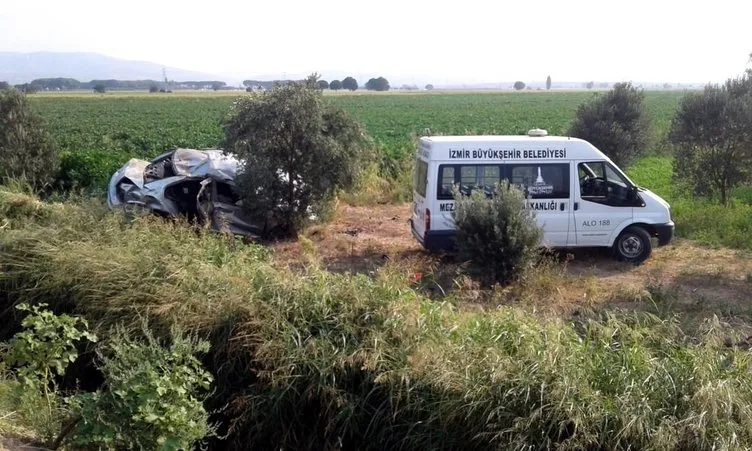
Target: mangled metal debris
(196, 184)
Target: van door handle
(576, 205)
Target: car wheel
(633, 245)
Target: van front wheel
(633, 245)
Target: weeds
(318, 360)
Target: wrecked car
(196, 184)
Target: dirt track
(685, 276)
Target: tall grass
(700, 219)
(317, 360)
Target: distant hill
(18, 68)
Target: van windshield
(606, 171)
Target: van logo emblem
(540, 187)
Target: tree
(100, 88)
(217, 85)
(615, 123)
(712, 132)
(548, 82)
(26, 150)
(589, 85)
(323, 84)
(429, 87)
(498, 236)
(378, 84)
(350, 83)
(4, 86)
(335, 85)
(518, 85)
(26, 88)
(298, 150)
(153, 88)
(56, 84)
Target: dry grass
(705, 280)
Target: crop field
(352, 337)
(144, 124)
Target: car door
(602, 203)
(547, 186)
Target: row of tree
(71, 84)
(348, 83)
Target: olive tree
(615, 123)
(496, 233)
(297, 150)
(712, 133)
(26, 150)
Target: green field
(98, 133)
(146, 125)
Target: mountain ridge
(23, 67)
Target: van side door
(602, 203)
(547, 186)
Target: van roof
(506, 148)
(496, 138)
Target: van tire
(633, 245)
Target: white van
(580, 197)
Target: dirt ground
(685, 276)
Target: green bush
(89, 169)
(26, 150)
(151, 398)
(298, 150)
(497, 234)
(39, 354)
(616, 123)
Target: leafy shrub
(26, 150)
(151, 398)
(298, 150)
(39, 353)
(498, 235)
(615, 123)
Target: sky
(457, 41)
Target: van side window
(447, 182)
(469, 177)
(541, 181)
(601, 183)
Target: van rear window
(420, 178)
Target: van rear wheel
(633, 245)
